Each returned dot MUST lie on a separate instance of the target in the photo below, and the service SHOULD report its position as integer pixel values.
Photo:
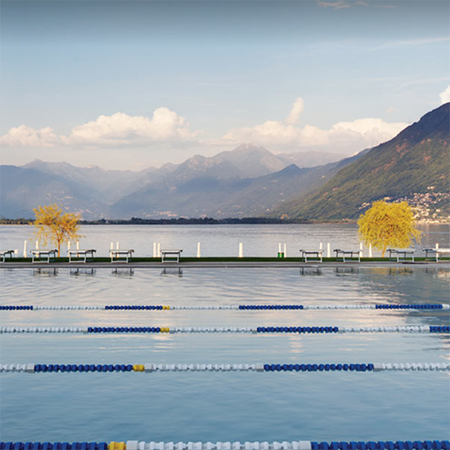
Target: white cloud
(24, 136)
(334, 5)
(445, 96)
(122, 129)
(347, 137)
(297, 109)
(167, 127)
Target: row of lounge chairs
(394, 254)
(174, 255)
(81, 255)
(78, 255)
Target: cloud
(120, 129)
(167, 128)
(334, 5)
(346, 137)
(445, 96)
(360, 3)
(24, 136)
(297, 109)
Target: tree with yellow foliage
(388, 225)
(54, 226)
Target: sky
(133, 84)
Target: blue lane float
(53, 446)
(258, 367)
(254, 330)
(295, 445)
(433, 307)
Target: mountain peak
(245, 147)
(433, 124)
(403, 168)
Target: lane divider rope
(217, 307)
(295, 445)
(253, 330)
(149, 368)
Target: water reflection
(39, 272)
(342, 270)
(443, 275)
(395, 271)
(172, 272)
(124, 273)
(313, 270)
(80, 272)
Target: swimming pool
(241, 406)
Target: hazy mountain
(210, 196)
(222, 197)
(252, 161)
(108, 185)
(416, 161)
(246, 181)
(310, 159)
(23, 189)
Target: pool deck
(226, 265)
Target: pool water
(233, 406)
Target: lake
(218, 240)
(224, 406)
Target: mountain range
(246, 181)
(413, 166)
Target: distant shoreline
(191, 221)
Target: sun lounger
(398, 255)
(80, 255)
(5, 253)
(38, 254)
(436, 252)
(170, 255)
(350, 254)
(314, 254)
(121, 255)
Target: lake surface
(218, 240)
(224, 406)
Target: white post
(321, 246)
(68, 245)
(16, 252)
(199, 253)
(279, 250)
(361, 249)
(37, 245)
(24, 249)
(158, 251)
(284, 251)
(241, 250)
(370, 250)
(329, 250)
(78, 245)
(154, 249)
(117, 246)
(437, 246)
(111, 247)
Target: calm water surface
(218, 240)
(224, 406)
